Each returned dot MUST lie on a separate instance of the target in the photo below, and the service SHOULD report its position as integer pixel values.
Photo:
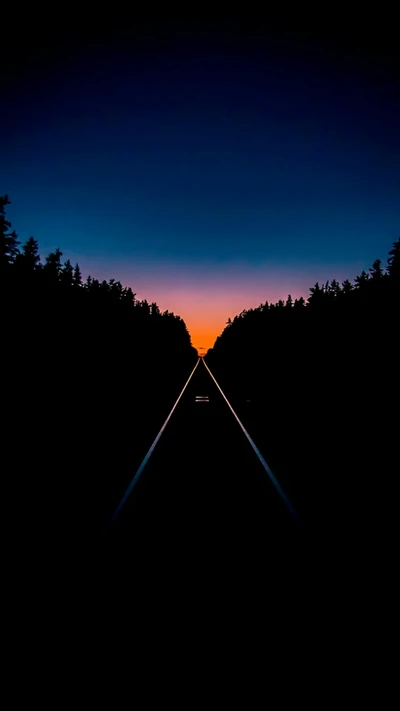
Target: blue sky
(217, 165)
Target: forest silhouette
(90, 374)
(316, 383)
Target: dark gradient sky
(209, 170)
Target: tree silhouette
(317, 295)
(361, 280)
(77, 277)
(31, 253)
(393, 267)
(347, 287)
(28, 261)
(334, 289)
(52, 268)
(299, 304)
(128, 296)
(66, 274)
(376, 270)
(8, 240)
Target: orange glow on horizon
(206, 298)
(206, 313)
(203, 336)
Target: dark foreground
(203, 536)
(204, 511)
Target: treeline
(90, 373)
(375, 291)
(59, 284)
(317, 384)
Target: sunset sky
(208, 171)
